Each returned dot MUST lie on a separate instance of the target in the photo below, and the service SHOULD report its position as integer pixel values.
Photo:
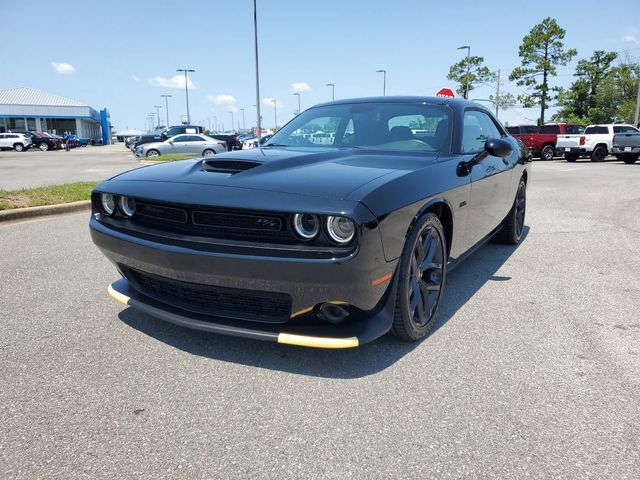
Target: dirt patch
(15, 201)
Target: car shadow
(463, 282)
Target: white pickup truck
(595, 142)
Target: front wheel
(548, 152)
(513, 224)
(153, 153)
(598, 154)
(44, 146)
(421, 279)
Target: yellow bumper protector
(317, 342)
(122, 298)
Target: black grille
(228, 220)
(252, 305)
(161, 212)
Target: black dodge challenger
(341, 228)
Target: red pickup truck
(541, 140)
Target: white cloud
(177, 81)
(222, 99)
(63, 68)
(134, 78)
(631, 39)
(299, 87)
(269, 102)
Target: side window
(476, 130)
(624, 129)
(179, 138)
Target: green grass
(169, 158)
(53, 195)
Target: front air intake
(228, 166)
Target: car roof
(455, 102)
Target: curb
(29, 212)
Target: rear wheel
(599, 153)
(513, 225)
(629, 159)
(18, 147)
(44, 146)
(548, 151)
(208, 152)
(153, 153)
(421, 279)
(570, 158)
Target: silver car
(185, 144)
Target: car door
(179, 144)
(490, 198)
(196, 145)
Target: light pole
(275, 114)
(153, 119)
(333, 90)
(215, 123)
(231, 112)
(186, 88)
(244, 127)
(298, 95)
(384, 81)
(166, 105)
(158, 107)
(466, 82)
(150, 119)
(255, 40)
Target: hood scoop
(229, 166)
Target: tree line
(604, 89)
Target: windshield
(380, 126)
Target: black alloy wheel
(548, 152)
(513, 224)
(629, 159)
(570, 158)
(422, 275)
(599, 153)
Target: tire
(153, 153)
(599, 153)
(208, 152)
(570, 158)
(422, 274)
(548, 152)
(18, 147)
(513, 224)
(43, 146)
(629, 159)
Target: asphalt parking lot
(532, 371)
(34, 168)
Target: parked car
(182, 145)
(162, 135)
(541, 140)
(626, 146)
(39, 140)
(596, 142)
(129, 142)
(321, 245)
(15, 141)
(254, 142)
(232, 141)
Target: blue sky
(123, 55)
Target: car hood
(333, 173)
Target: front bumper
(352, 281)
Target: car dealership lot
(532, 370)
(34, 168)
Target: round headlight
(108, 203)
(306, 225)
(341, 229)
(127, 206)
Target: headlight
(341, 229)
(108, 203)
(127, 206)
(306, 225)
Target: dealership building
(25, 108)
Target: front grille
(221, 223)
(251, 305)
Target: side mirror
(498, 147)
(170, 141)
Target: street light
(466, 82)
(231, 112)
(244, 127)
(166, 104)
(384, 81)
(186, 88)
(275, 114)
(255, 39)
(298, 95)
(215, 123)
(333, 90)
(158, 107)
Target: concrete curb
(29, 212)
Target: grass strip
(51, 195)
(169, 158)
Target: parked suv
(542, 140)
(162, 135)
(596, 141)
(16, 141)
(40, 140)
